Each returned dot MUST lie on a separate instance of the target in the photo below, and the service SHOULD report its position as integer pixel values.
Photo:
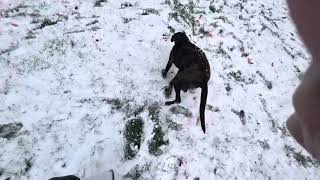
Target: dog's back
(189, 55)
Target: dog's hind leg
(177, 89)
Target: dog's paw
(168, 103)
(164, 73)
(167, 92)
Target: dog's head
(179, 37)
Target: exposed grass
(56, 46)
(125, 5)
(157, 141)
(237, 76)
(266, 82)
(183, 13)
(173, 125)
(264, 144)
(47, 22)
(133, 135)
(31, 64)
(222, 52)
(171, 29)
(212, 108)
(92, 23)
(180, 110)
(99, 3)
(305, 161)
(150, 11)
(154, 112)
(10, 130)
(214, 9)
(241, 115)
(137, 172)
(118, 104)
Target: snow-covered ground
(75, 72)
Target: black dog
(194, 71)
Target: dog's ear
(172, 38)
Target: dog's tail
(204, 94)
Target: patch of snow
(61, 60)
